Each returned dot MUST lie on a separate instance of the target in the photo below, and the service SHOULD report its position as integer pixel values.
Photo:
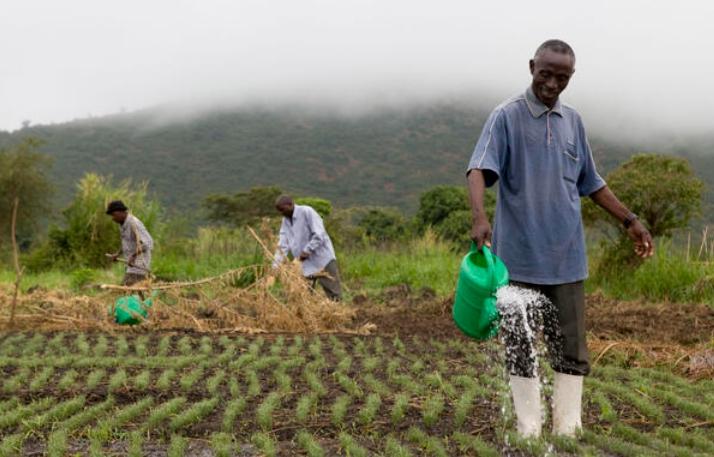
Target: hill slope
(383, 158)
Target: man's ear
(531, 65)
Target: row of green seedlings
(626, 440)
(87, 357)
(37, 344)
(171, 416)
(641, 395)
(118, 380)
(223, 444)
(373, 400)
(39, 415)
(169, 411)
(691, 399)
(311, 446)
(66, 344)
(432, 407)
(102, 432)
(266, 409)
(80, 354)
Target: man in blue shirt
(303, 235)
(535, 148)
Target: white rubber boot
(526, 402)
(567, 399)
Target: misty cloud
(641, 64)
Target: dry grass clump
(241, 300)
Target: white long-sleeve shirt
(305, 232)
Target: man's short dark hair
(283, 200)
(558, 46)
(116, 205)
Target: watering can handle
(489, 262)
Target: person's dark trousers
(563, 321)
(131, 279)
(330, 284)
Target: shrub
(87, 233)
(437, 203)
(456, 227)
(82, 277)
(242, 208)
(663, 190)
(384, 224)
(322, 206)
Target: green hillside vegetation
(382, 158)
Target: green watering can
(130, 310)
(481, 274)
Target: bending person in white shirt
(303, 235)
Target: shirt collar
(537, 108)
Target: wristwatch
(632, 217)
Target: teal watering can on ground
(480, 276)
(130, 310)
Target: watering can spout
(480, 276)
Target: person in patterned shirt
(136, 243)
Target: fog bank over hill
(642, 66)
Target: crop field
(190, 394)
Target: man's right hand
(481, 232)
(113, 257)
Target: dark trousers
(563, 321)
(331, 285)
(131, 279)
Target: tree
(23, 176)
(448, 211)
(242, 208)
(88, 232)
(383, 224)
(456, 227)
(322, 206)
(662, 190)
(437, 203)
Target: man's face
(119, 216)
(286, 209)
(551, 74)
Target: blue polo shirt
(543, 164)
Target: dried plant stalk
(215, 304)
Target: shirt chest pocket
(570, 161)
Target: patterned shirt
(543, 164)
(132, 230)
(305, 232)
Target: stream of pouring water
(521, 310)
(524, 312)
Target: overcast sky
(641, 64)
